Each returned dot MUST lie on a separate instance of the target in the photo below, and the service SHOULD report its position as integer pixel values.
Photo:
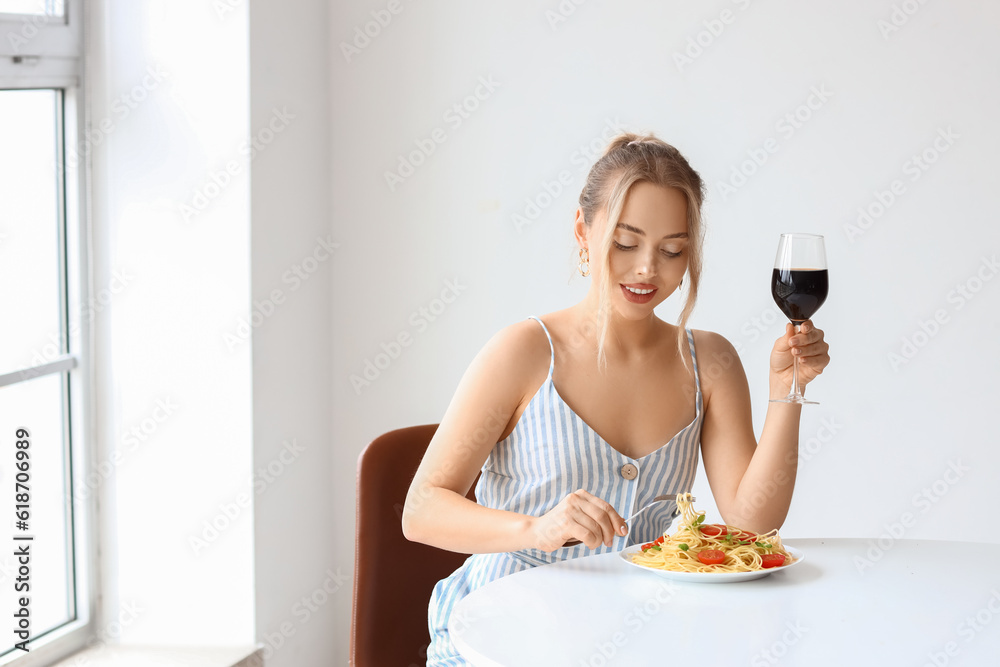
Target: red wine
(799, 292)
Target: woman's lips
(638, 298)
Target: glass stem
(795, 391)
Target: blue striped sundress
(551, 453)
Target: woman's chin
(627, 311)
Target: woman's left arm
(752, 482)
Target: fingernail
(624, 529)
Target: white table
(915, 603)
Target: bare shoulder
(711, 342)
(718, 360)
(524, 340)
(517, 356)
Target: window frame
(53, 58)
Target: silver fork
(654, 501)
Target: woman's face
(649, 250)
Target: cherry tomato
(713, 530)
(772, 560)
(711, 556)
(660, 540)
(646, 545)
(747, 536)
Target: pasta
(697, 547)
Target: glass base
(792, 398)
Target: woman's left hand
(808, 346)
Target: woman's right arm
(437, 512)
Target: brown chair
(393, 577)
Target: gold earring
(584, 264)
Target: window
(51, 8)
(44, 390)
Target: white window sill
(164, 656)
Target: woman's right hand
(581, 516)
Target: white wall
(884, 430)
(555, 93)
(299, 578)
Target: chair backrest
(393, 577)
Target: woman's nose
(647, 264)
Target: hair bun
(627, 139)
(621, 141)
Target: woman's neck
(626, 339)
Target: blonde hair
(630, 159)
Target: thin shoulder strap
(697, 377)
(552, 349)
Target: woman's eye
(623, 247)
(667, 253)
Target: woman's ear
(580, 229)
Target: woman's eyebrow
(630, 228)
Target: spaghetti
(697, 547)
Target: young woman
(579, 418)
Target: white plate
(710, 577)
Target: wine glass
(799, 285)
